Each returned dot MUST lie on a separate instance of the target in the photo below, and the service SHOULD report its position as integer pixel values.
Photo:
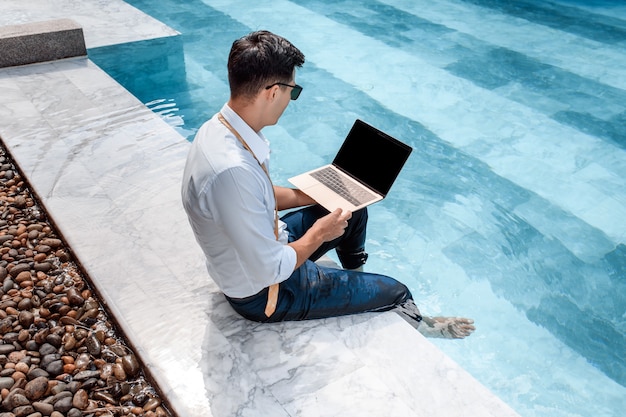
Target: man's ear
(272, 92)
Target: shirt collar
(256, 141)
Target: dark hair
(260, 59)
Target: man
(265, 266)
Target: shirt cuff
(287, 264)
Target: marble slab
(108, 172)
(105, 22)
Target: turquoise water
(511, 208)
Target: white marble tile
(290, 357)
(357, 394)
(104, 22)
(163, 320)
(419, 373)
(232, 386)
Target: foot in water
(440, 327)
(446, 327)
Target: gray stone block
(40, 42)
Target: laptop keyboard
(350, 190)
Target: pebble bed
(60, 352)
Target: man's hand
(332, 225)
(323, 230)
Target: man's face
(282, 99)
(285, 95)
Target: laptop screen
(372, 156)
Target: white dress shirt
(230, 205)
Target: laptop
(362, 172)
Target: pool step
(50, 40)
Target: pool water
(511, 208)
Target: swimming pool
(510, 209)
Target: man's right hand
(333, 224)
(325, 229)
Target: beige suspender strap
(272, 295)
(272, 300)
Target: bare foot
(446, 327)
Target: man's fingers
(345, 215)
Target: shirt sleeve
(239, 203)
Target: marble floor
(108, 171)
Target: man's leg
(314, 292)
(317, 292)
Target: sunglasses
(295, 92)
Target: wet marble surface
(104, 22)
(108, 172)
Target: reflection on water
(154, 71)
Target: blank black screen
(372, 156)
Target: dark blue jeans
(314, 291)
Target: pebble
(36, 388)
(15, 399)
(130, 364)
(6, 382)
(26, 318)
(55, 367)
(93, 345)
(60, 355)
(17, 269)
(6, 349)
(80, 399)
(47, 349)
(64, 404)
(21, 367)
(44, 408)
(152, 404)
(37, 372)
(75, 412)
(85, 375)
(23, 411)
